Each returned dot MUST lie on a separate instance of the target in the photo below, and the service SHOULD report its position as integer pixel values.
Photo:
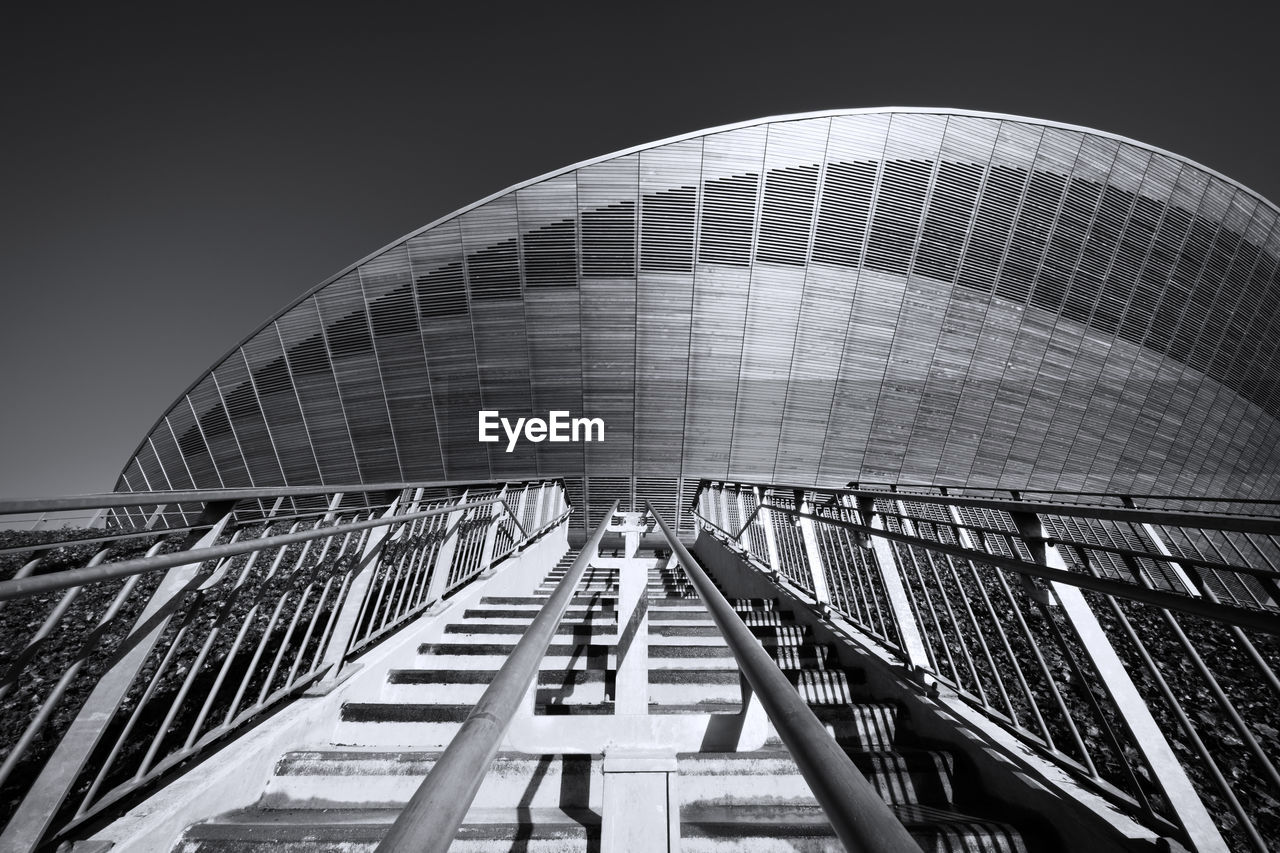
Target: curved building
(882, 295)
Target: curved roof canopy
(889, 295)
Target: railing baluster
(355, 602)
(817, 572)
(445, 556)
(770, 539)
(496, 515)
(904, 617)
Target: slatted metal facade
(888, 295)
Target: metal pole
(1241, 616)
(817, 570)
(497, 513)
(770, 542)
(134, 499)
(860, 818)
(886, 561)
(744, 535)
(444, 557)
(349, 615)
(29, 586)
(431, 819)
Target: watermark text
(558, 427)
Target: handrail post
(551, 507)
(546, 504)
(444, 557)
(708, 500)
(429, 821)
(497, 515)
(722, 507)
(765, 516)
(348, 617)
(155, 516)
(744, 535)
(58, 776)
(817, 569)
(895, 590)
(1158, 541)
(1147, 735)
(334, 503)
(521, 505)
(541, 510)
(415, 501)
(556, 503)
(860, 817)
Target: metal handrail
(432, 817)
(953, 593)
(330, 585)
(1146, 496)
(1256, 619)
(860, 817)
(1238, 523)
(29, 586)
(119, 499)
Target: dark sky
(170, 180)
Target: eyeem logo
(559, 428)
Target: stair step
(518, 629)
(656, 601)
(611, 589)
(791, 634)
(762, 618)
(671, 656)
(685, 616)
(537, 830)
(575, 651)
(537, 601)
(595, 614)
(867, 727)
(686, 686)
(805, 828)
(596, 585)
(770, 777)
(427, 712)
(451, 686)
(387, 779)
(546, 677)
(316, 779)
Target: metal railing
(429, 822)
(1133, 640)
(130, 648)
(858, 814)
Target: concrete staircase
(345, 797)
